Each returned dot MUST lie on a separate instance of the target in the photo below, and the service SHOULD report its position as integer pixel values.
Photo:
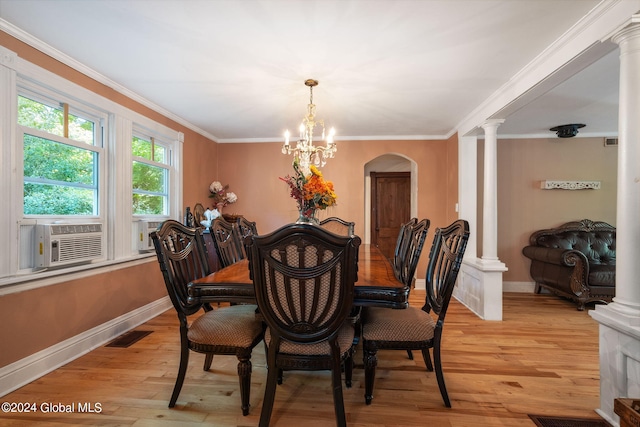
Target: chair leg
(280, 375)
(427, 359)
(348, 369)
(182, 371)
(410, 354)
(370, 360)
(440, 375)
(244, 374)
(269, 396)
(336, 384)
(208, 360)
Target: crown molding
(38, 44)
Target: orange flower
(311, 192)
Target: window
(150, 176)
(61, 151)
(69, 156)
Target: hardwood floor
(541, 359)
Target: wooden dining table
(376, 284)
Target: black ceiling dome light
(567, 131)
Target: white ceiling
(400, 69)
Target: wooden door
(390, 208)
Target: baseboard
(30, 368)
(522, 287)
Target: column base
(479, 287)
(619, 338)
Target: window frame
(30, 91)
(154, 139)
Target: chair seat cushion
(345, 341)
(234, 326)
(407, 325)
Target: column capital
(491, 123)
(629, 31)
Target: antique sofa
(576, 260)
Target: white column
(627, 299)
(619, 330)
(490, 199)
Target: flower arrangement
(220, 195)
(310, 192)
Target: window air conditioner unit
(145, 227)
(64, 244)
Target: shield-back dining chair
(407, 254)
(245, 228)
(402, 243)
(304, 280)
(231, 330)
(228, 245)
(338, 226)
(414, 328)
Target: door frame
(389, 162)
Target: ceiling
(403, 69)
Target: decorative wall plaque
(570, 185)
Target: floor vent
(544, 421)
(124, 341)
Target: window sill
(41, 278)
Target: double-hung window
(62, 148)
(150, 178)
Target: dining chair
(245, 228)
(413, 236)
(231, 330)
(402, 244)
(304, 280)
(228, 245)
(338, 226)
(415, 328)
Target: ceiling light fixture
(567, 131)
(305, 151)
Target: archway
(390, 162)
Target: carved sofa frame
(576, 260)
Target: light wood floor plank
(542, 358)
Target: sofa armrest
(557, 256)
(574, 260)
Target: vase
(307, 217)
(219, 207)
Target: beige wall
(252, 171)
(523, 207)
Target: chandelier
(305, 151)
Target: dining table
(376, 285)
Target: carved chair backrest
(416, 237)
(402, 245)
(226, 240)
(304, 281)
(245, 228)
(182, 257)
(445, 257)
(338, 226)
